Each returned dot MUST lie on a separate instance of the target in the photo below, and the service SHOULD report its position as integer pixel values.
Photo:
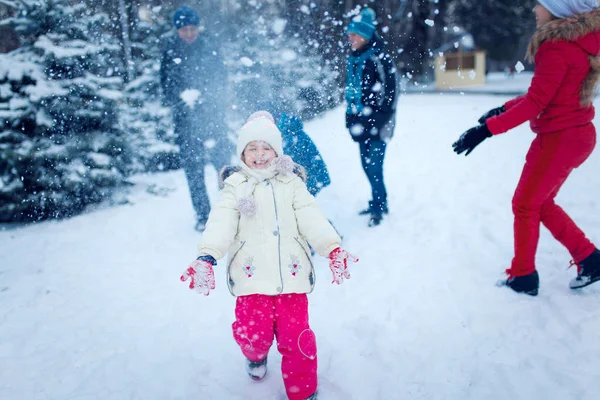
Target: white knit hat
(568, 8)
(260, 126)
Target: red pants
(550, 160)
(259, 318)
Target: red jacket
(566, 71)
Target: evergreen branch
(9, 3)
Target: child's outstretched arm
(550, 71)
(222, 225)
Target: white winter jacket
(268, 252)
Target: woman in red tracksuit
(558, 104)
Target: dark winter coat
(298, 145)
(198, 66)
(373, 79)
(567, 68)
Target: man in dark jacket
(193, 80)
(371, 94)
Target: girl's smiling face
(258, 154)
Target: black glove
(492, 113)
(471, 139)
(208, 258)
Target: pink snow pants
(550, 160)
(259, 318)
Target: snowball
(288, 55)
(279, 26)
(190, 97)
(357, 129)
(519, 67)
(246, 61)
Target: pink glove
(203, 276)
(338, 263)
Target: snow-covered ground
(92, 307)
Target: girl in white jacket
(263, 221)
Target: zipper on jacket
(278, 235)
(229, 281)
(312, 267)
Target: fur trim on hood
(229, 170)
(572, 29)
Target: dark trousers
(372, 153)
(197, 147)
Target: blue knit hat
(568, 8)
(363, 24)
(184, 16)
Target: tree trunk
(440, 23)
(127, 59)
(419, 39)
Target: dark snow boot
(370, 209)
(589, 271)
(528, 284)
(256, 369)
(313, 397)
(376, 218)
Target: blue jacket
(298, 145)
(371, 90)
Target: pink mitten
(338, 263)
(202, 276)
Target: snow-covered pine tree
(142, 116)
(60, 142)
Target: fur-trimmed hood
(583, 30)
(229, 170)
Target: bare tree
(126, 42)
